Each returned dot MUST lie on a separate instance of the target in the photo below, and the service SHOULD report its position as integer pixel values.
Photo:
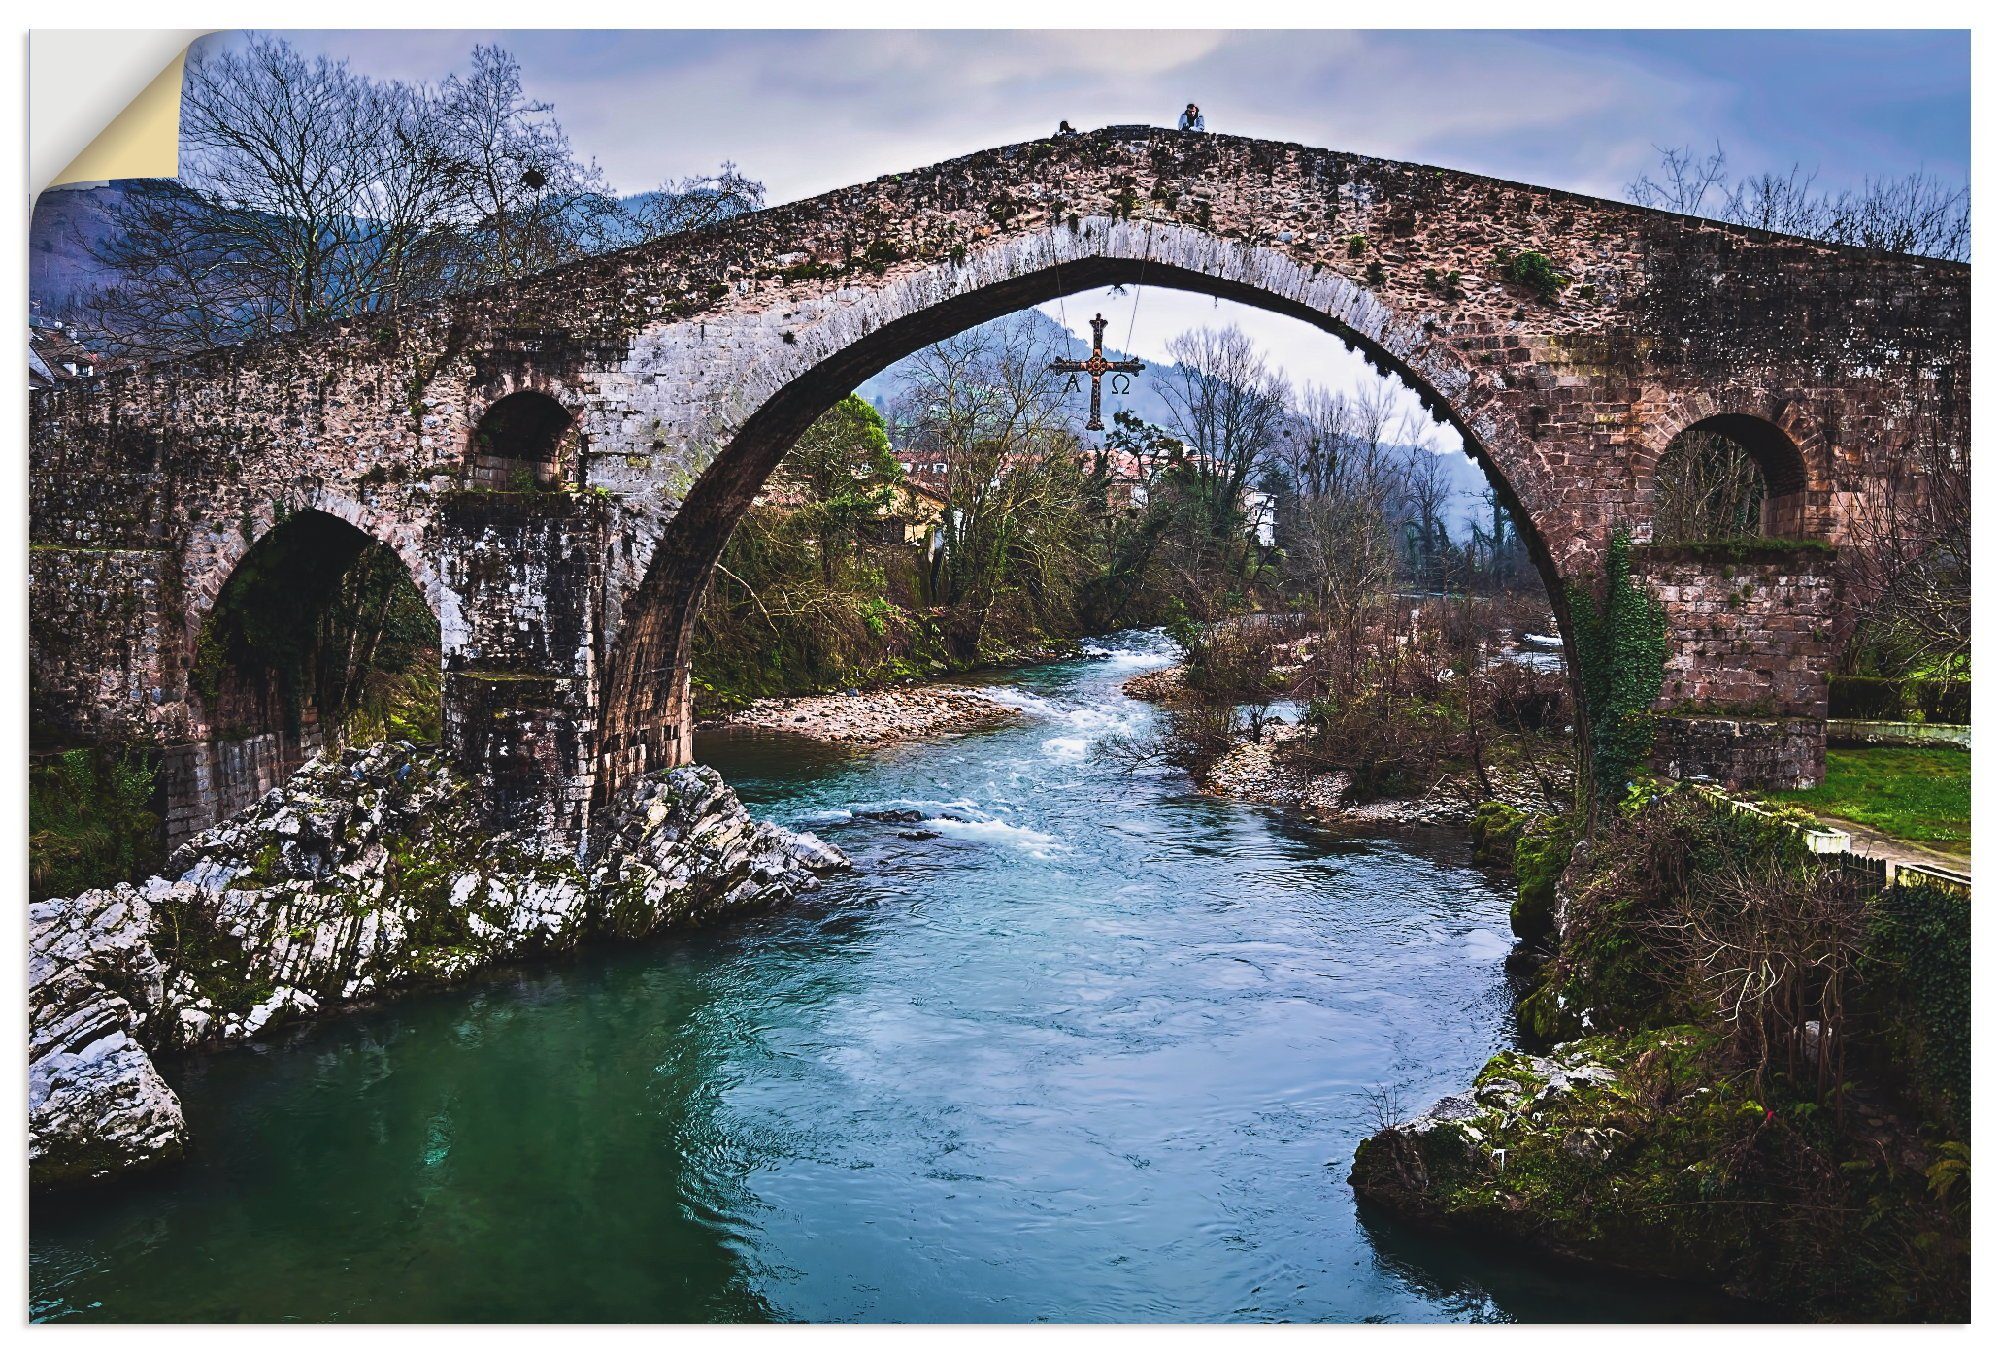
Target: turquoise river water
(1075, 1044)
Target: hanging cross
(1096, 368)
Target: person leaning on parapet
(1192, 120)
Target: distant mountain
(1468, 481)
(67, 224)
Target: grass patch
(1919, 794)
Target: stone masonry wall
(522, 576)
(106, 653)
(1742, 753)
(1752, 636)
(201, 783)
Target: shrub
(1895, 699)
(1532, 269)
(1916, 970)
(1387, 745)
(1866, 697)
(90, 821)
(1940, 701)
(1615, 961)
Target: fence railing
(1837, 848)
(1888, 873)
(1876, 733)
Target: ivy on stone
(1621, 647)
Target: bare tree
(1706, 487)
(309, 192)
(526, 199)
(1917, 213)
(1426, 535)
(695, 203)
(1228, 404)
(1688, 182)
(1348, 472)
(269, 228)
(1909, 557)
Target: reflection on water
(1071, 1044)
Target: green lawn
(1920, 794)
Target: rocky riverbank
(367, 874)
(1646, 1154)
(873, 718)
(1799, 1140)
(1161, 686)
(1569, 1154)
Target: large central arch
(646, 719)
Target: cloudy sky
(810, 111)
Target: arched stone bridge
(655, 388)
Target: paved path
(1868, 841)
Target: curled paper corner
(142, 140)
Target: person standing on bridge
(1192, 120)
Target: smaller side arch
(291, 636)
(526, 439)
(210, 561)
(1783, 478)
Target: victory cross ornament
(1095, 368)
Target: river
(1076, 1044)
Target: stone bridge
(559, 461)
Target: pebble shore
(872, 718)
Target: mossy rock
(1544, 1017)
(1496, 827)
(1541, 853)
(1646, 1153)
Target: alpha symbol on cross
(1096, 368)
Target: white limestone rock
(368, 873)
(97, 1107)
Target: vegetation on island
(91, 819)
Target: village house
(55, 355)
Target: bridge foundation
(1750, 643)
(523, 584)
